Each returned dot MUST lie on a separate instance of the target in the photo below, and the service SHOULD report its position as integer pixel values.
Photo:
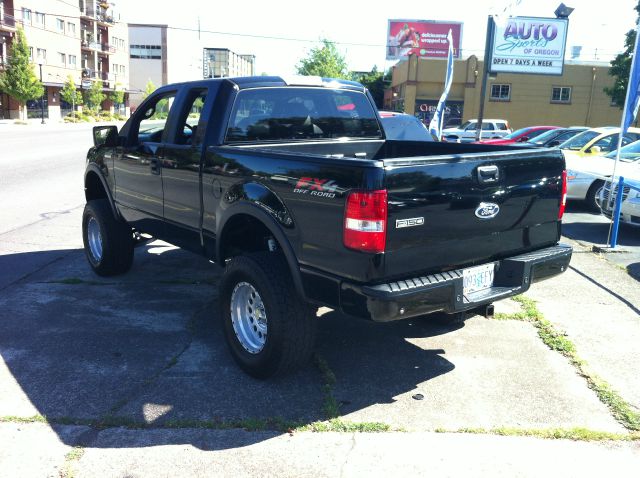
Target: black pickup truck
(294, 189)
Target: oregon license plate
(478, 278)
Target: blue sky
(359, 28)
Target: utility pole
(485, 75)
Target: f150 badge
(414, 221)
(487, 210)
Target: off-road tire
(291, 325)
(116, 239)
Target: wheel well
(244, 233)
(93, 188)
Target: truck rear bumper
(444, 292)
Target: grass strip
(556, 340)
(576, 434)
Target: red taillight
(365, 221)
(563, 198)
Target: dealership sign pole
(629, 113)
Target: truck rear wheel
(269, 329)
(108, 243)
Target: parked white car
(587, 175)
(630, 207)
(466, 132)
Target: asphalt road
(41, 171)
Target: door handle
(488, 174)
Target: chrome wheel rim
(248, 317)
(94, 238)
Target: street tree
(150, 88)
(376, 82)
(324, 60)
(70, 94)
(19, 80)
(117, 96)
(94, 96)
(621, 67)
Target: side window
(487, 126)
(149, 125)
(607, 144)
(501, 126)
(628, 138)
(189, 117)
(471, 127)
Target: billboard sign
(424, 38)
(529, 45)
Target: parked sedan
(630, 206)
(586, 176)
(520, 135)
(597, 141)
(555, 137)
(403, 126)
(466, 133)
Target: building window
(39, 18)
(60, 24)
(42, 55)
(72, 61)
(26, 15)
(71, 29)
(152, 52)
(500, 93)
(31, 53)
(63, 58)
(561, 94)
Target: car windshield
(276, 114)
(517, 133)
(544, 137)
(579, 140)
(629, 153)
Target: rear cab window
(292, 113)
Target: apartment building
(221, 62)
(84, 39)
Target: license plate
(478, 278)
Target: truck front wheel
(269, 329)
(108, 243)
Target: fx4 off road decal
(324, 188)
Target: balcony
(4, 61)
(105, 19)
(7, 23)
(106, 48)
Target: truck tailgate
(461, 210)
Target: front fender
(95, 169)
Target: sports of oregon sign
(529, 45)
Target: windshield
(405, 127)
(579, 140)
(290, 113)
(544, 137)
(517, 133)
(628, 153)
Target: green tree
(117, 96)
(70, 94)
(325, 60)
(376, 82)
(621, 67)
(19, 79)
(150, 88)
(94, 96)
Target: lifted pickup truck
(293, 188)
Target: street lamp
(40, 62)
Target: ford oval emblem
(487, 210)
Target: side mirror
(105, 136)
(594, 150)
(553, 144)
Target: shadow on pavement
(145, 349)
